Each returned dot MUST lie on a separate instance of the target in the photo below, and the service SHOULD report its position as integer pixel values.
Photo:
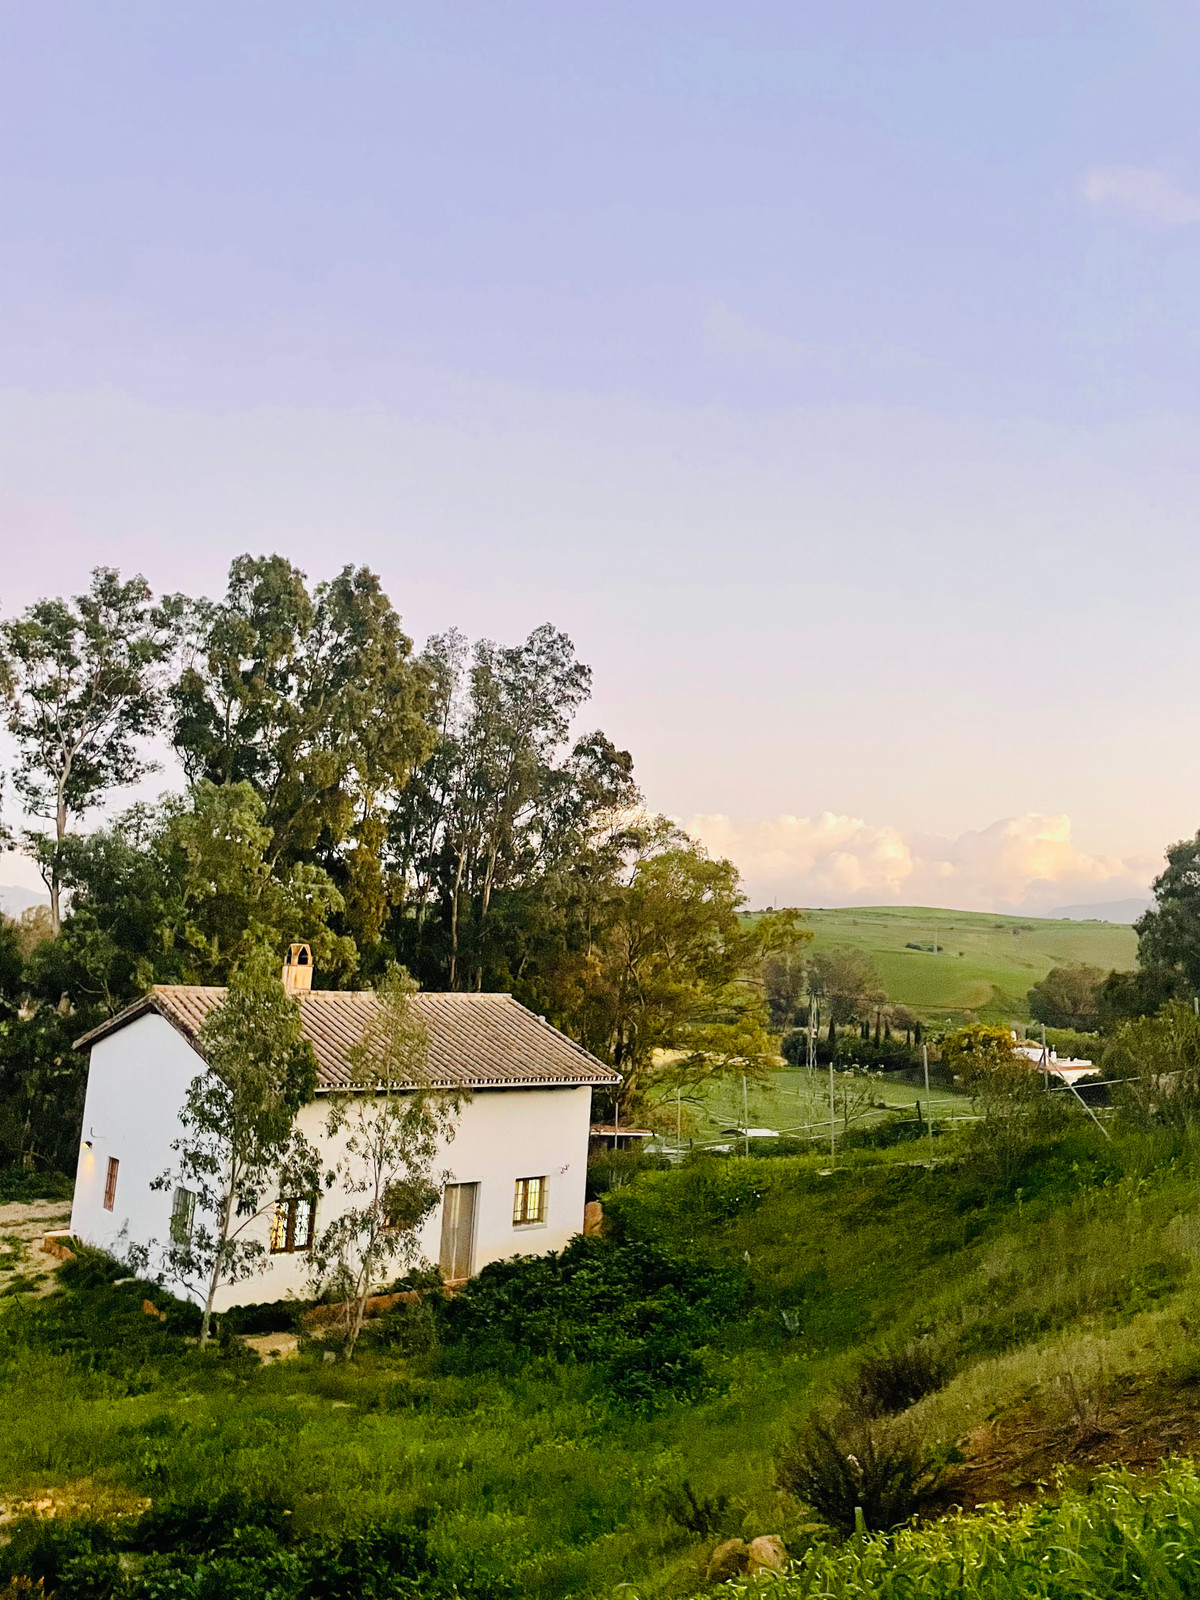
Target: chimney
(297, 970)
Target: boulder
(767, 1553)
(593, 1218)
(727, 1561)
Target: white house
(518, 1158)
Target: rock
(767, 1553)
(55, 1244)
(593, 1218)
(728, 1560)
(151, 1310)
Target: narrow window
(292, 1225)
(529, 1202)
(110, 1183)
(183, 1209)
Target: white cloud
(1142, 190)
(1025, 863)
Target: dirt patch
(25, 1268)
(83, 1498)
(1134, 1422)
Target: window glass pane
(303, 1225)
(279, 1226)
(529, 1201)
(110, 1183)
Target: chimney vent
(297, 970)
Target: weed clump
(890, 1382)
(847, 1467)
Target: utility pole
(928, 1114)
(832, 1118)
(1045, 1061)
(745, 1119)
(678, 1119)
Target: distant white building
(518, 1158)
(1069, 1068)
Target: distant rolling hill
(985, 964)
(1106, 911)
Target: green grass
(545, 1487)
(796, 1102)
(1119, 1537)
(1001, 956)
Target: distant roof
(476, 1041)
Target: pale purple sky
(828, 372)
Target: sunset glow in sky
(829, 373)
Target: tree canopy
(447, 811)
(1068, 997)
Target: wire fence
(928, 1111)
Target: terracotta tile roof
(476, 1041)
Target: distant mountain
(1104, 911)
(14, 900)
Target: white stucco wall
(136, 1086)
(137, 1080)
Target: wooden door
(458, 1230)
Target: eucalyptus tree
(84, 683)
(239, 1148)
(505, 804)
(387, 1121)
(315, 700)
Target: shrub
(614, 1169)
(708, 1517)
(634, 1310)
(273, 1316)
(589, 1302)
(846, 1465)
(892, 1381)
(203, 1524)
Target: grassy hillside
(609, 1432)
(986, 964)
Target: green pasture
(795, 1101)
(985, 964)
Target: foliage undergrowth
(601, 1416)
(1121, 1537)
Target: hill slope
(985, 963)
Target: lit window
(529, 1202)
(110, 1183)
(292, 1225)
(183, 1209)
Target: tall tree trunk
(60, 830)
(214, 1282)
(458, 877)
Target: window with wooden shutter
(110, 1183)
(529, 1202)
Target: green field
(986, 963)
(795, 1102)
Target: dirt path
(24, 1266)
